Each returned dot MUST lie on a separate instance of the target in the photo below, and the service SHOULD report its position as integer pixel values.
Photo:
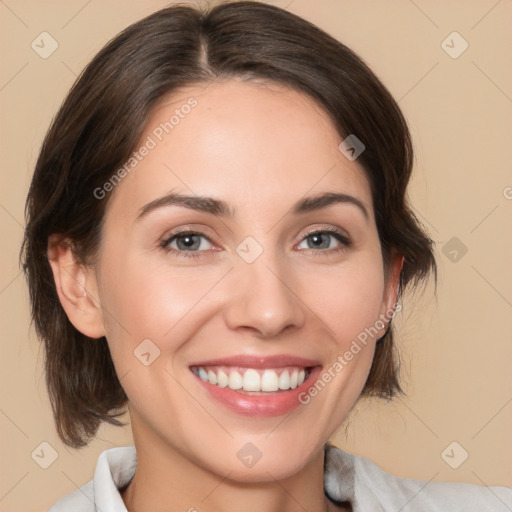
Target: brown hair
(101, 121)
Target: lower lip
(271, 404)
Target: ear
(391, 289)
(76, 287)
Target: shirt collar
(116, 467)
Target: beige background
(456, 348)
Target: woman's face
(213, 334)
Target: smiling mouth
(253, 380)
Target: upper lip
(252, 361)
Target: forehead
(245, 141)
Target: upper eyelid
(328, 230)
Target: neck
(166, 480)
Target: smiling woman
(235, 287)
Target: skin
(260, 148)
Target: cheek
(147, 298)
(349, 303)
(349, 299)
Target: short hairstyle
(101, 121)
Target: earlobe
(396, 270)
(392, 290)
(76, 287)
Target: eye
(321, 239)
(189, 244)
(186, 243)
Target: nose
(266, 298)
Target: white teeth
(293, 379)
(268, 380)
(222, 379)
(212, 377)
(203, 375)
(252, 380)
(235, 381)
(284, 380)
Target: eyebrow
(220, 208)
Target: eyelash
(338, 235)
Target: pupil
(317, 240)
(188, 241)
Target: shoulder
(114, 469)
(371, 488)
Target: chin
(259, 459)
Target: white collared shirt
(347, 478)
